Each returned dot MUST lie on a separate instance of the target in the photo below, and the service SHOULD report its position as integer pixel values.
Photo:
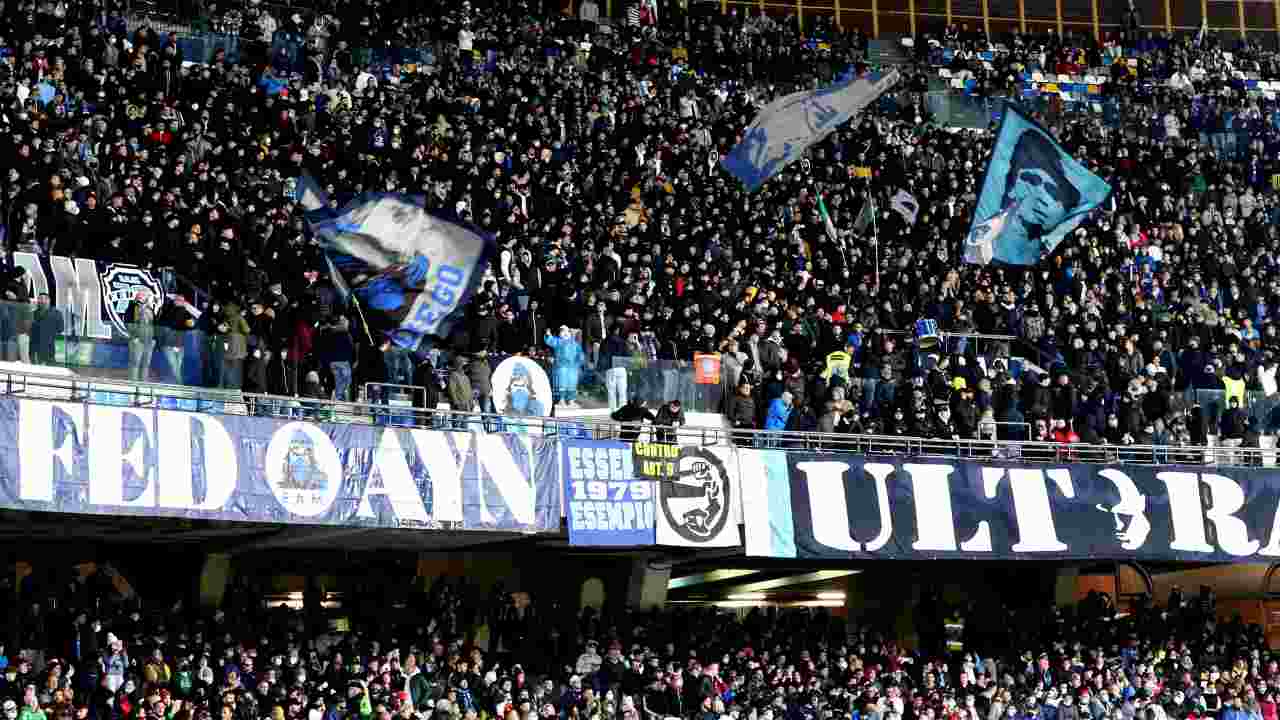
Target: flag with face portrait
(410, 271)
(789, 125)
(1034, 193)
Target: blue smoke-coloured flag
(788, 126)
(411, 271)
(1034, 193)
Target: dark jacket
(480, 374)
(632, 415)
(770, 356)
(334, 344)
(428, 398)
(372, 366)
(667, 418)
(175, 321)
(17, 296)
(742, 411)
(46, 326)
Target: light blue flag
(1034, 194)
(788, 126)
(411, 271)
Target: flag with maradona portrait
(1034, 193)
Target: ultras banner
(814, 506)
(103, 459)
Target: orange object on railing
(706, 368)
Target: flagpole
(843, 243)
(875, 232)
(363, 323)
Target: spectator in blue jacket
(779, 412)
(1231, 710)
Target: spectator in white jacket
(1267, 376)
(589, 661)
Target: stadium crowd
(509, 658)
(592, 158)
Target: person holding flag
(832, 234)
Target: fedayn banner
(111, 460)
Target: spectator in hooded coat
(461, 397)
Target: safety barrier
(71, 388)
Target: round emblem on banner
(121, 285)
(303, 469)
(695, 502)
(521, 387)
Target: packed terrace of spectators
(591, 155)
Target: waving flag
(1033, 195)
(411, 271)
(788, 126)
(826, 220)
(904, 203)
(866, 216)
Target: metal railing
(180, 397)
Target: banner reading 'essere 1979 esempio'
(620, 494)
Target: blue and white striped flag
(788, 126)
